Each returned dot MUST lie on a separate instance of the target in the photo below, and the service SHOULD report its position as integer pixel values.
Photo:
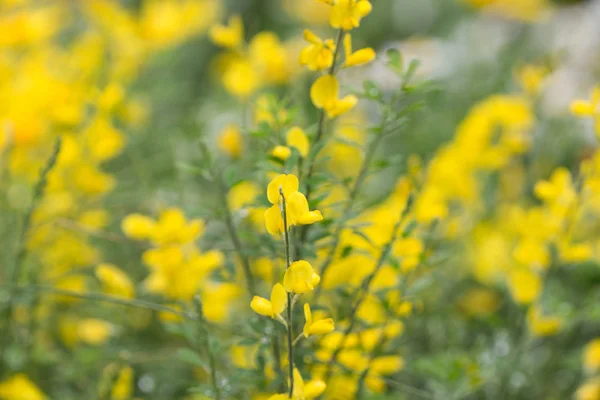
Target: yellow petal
(297, 139)
(308, 319)
(322, 327)
(289, 183)
(324, 91)
(137, 226)
(273, 221)
(309, 36)
(387, 365)
(261, 306)
(297, 207)
(347, 46)
(281, 152)
(278, 299)
(582, 108)
(314, 389)
(361, 56)
(299, 277)
(342, 106)
(310, 218)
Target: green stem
(211, 358)
(289, 295)
(318, 138)
(21, 245)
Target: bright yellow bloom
(137, 226)
(281, 152)
(19, 387)
(300, 278)
(230, 36)
(318, 54)
(298, 211)
(358, 57)
(271, 308)
(274, 221)
(324, 94)
(172, 228)
(288, 183)
(346, 14)
(587, 108)
(302, 391)
(114, 281)
(319, 327)
(297, 139)
(230, 141)
(591, 355)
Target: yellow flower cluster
(246, 67)
(178, 268)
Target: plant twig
(289, 295)
(211, 358)
(318, 138)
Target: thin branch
(289, 295)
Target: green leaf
(395, 60)
(191, 357)
(371, 90)
(410, 72)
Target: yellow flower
(230, 141)
(542, 325)
(137, 226)
(114, 281)
(302, 391)
(300, 278)
(94, 331)
(240, 78)
(274, 221)
(288, 183)
(123, 385)
(230, 36)
(589, 390)
(346, 14)
(531, 78)
(172, 228)
(591, 355)
(271, 308)
(386, 365)
(242, 195)
(324, 94)
(319, 327)
(19, 387)
(587, 108)
(298, 211)
(297, 139)
(358, 57)
(281, 152)
(318, 54)
(525, 285)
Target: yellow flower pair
(297, 210)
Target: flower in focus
(318, 54)
(300, 278)
(358, 57)
(319, 327)
(273, 307)
(324, 94)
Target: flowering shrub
(308, 199)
